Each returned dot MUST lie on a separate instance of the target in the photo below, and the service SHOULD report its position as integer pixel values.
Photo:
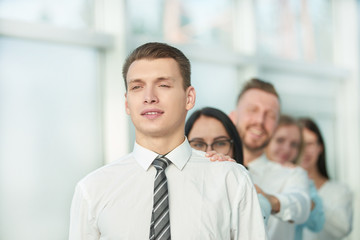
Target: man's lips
(257, 132)
(152, 113)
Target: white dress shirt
(208, 200)
(290, 186)
(338, 207)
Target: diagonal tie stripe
(160, 219)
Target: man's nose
(150, 96)
(259, 118)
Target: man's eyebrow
(159, 79)
(135, 81)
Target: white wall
(51, 133)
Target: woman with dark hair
(314, 155)
(337, 198)
(214, 122)
(211, 129)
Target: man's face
(156, 100)
(256, 118)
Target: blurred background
(62, 93)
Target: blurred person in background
(256, 117)
(336, 197)
(210, 129)
(284, 148)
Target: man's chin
(256, 147)
(151, 132)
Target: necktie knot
(161, 163)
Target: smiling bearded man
(256, 117)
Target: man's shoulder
(266, 169)
(199, 160)
(199, 156)
(285, 169)
(110, 169)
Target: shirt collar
(258, 163)
(178, 156)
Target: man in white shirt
(256, 118)
(206, 200)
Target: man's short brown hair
(155, 50)
(256, 83)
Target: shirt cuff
(285, 212)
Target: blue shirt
(316, 219)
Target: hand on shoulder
(214, 156)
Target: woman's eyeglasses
(221, 146)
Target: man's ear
(126, 105)
(233, 116)
(190, 97)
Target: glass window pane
(50, 137)
(145, 17)
(216, 85)
(66, 13)
(295, 29)
(207, 22)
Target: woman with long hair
(336, 197)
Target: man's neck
(250, 156)
(161, 145)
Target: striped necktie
(160, 219)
